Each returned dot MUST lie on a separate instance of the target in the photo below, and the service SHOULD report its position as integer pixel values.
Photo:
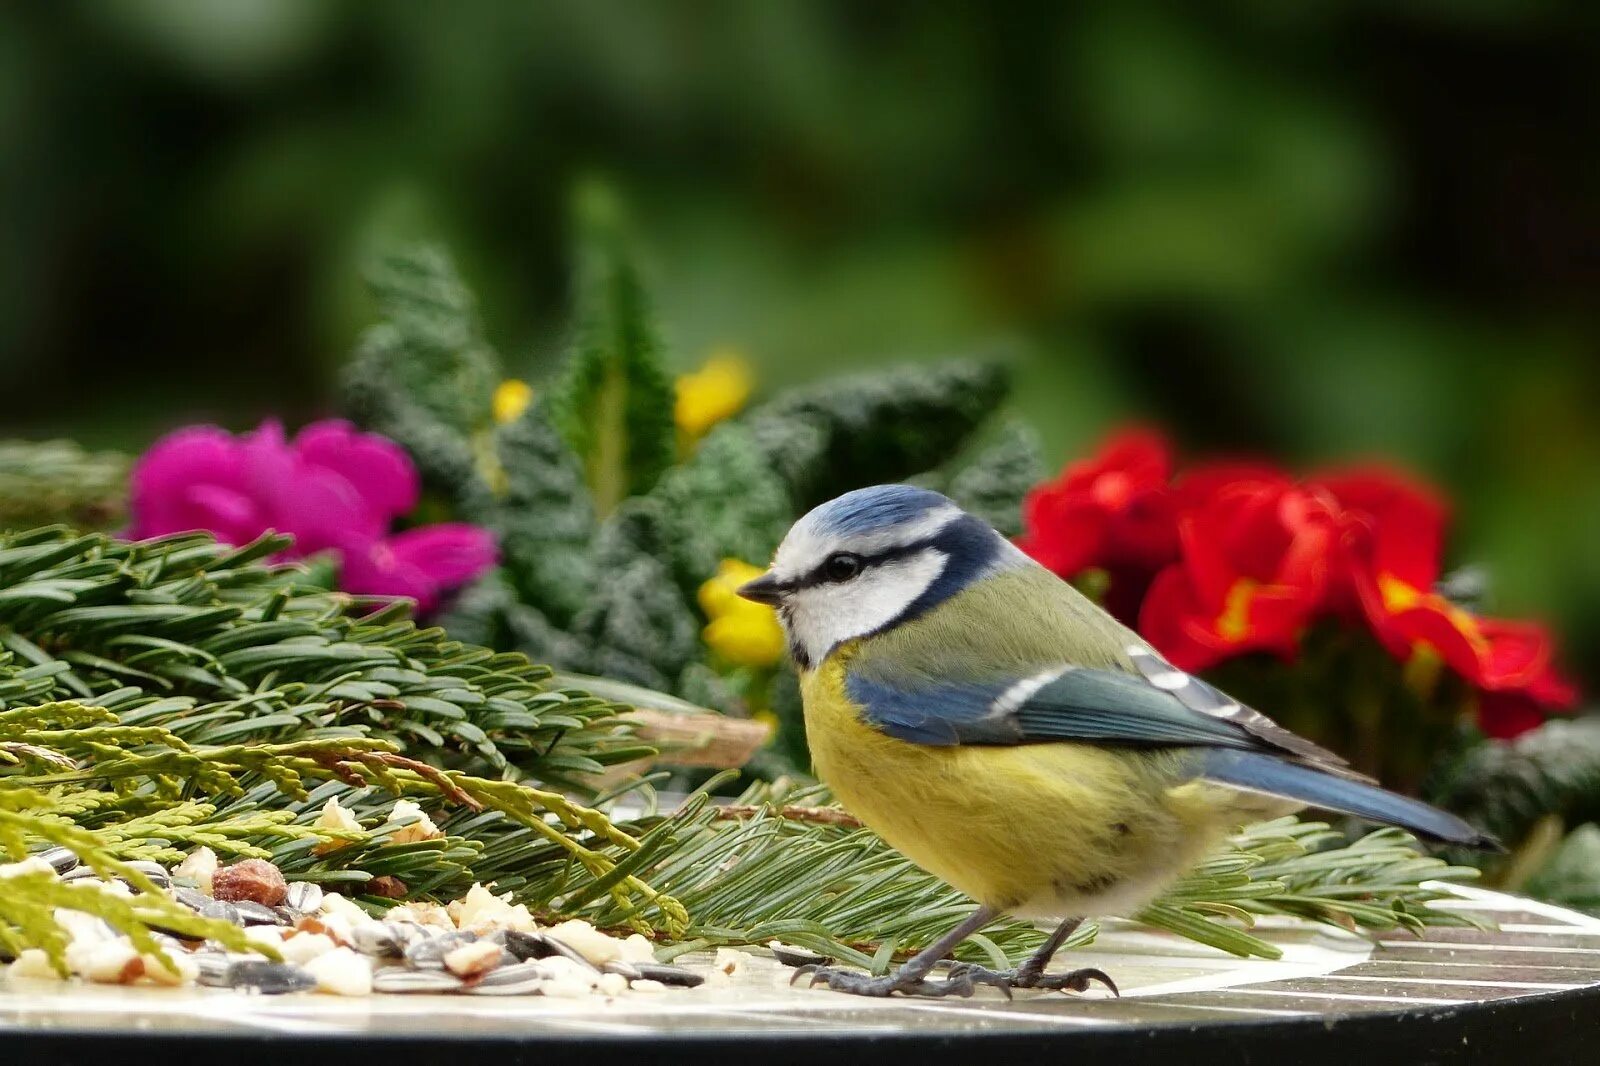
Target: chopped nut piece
(334, 816)
(252, 879)
(36, 964)
(731, 961)
(388, 886)
(637, 949)
(587, 941)
(305, 947)
(469, 960)
(199, 866)
(179, 969)
(341, 972)
(418, 826)
(112, 962)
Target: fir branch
(42, 482)
(749, 873)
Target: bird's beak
(765, 589)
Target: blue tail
(1258, 772)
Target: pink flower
(333, 488)
(420, 563)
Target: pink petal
(316, 506)
(450, 553)
(375, 467)
(160, 497)
(420, 563)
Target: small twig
(340, 763)
(810, 815)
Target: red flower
(1392, 525)
(1112, 510)
(1394, 534)
(1257, 554)
(1508, 714)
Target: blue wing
(1159, 705)
(1067, 703)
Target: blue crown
(872, 509)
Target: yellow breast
(1047, 829)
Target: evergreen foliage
(605, 538)
(1507, 788)
(169, 694)
(57, 481)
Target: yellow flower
(511, 398)
(744, 633)
(718, 390)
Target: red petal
(1201, 484)
(1507, 715)
(1206, 563)
(1429, 625)
(1518, 653)
(1166, 621)
(1407, 520)
(1065, 536)
(1140, 452)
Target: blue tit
(1014, 740)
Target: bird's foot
(863, 984)
(1028, 977)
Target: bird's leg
(1031, 974)
(911, 978)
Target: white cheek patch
(823, 616)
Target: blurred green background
(1319, 231)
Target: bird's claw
(863, 984)
(1024, 977)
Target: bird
(1003, 732)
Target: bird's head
(872, 559)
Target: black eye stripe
(818, 575)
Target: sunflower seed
(379, 940)
(304, 896)
(527, 946)
(213, 967)
(62, 859)
(223, 910)
(153, 870)
(78, 873)
(626, 969)
(429, 954)
(668, 975)
(791, 956)
(399, 979)
(269, 978)
(253, 913)
(191, 898)
(523, 979)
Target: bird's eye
(841, 566)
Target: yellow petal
(747, 638)
(511, 398)
(718, 390)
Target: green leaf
(424, 375)
(1506, 788)
(872, 428)
(1571, 876)
(726, 501)
(614, 401)
(993, 484)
